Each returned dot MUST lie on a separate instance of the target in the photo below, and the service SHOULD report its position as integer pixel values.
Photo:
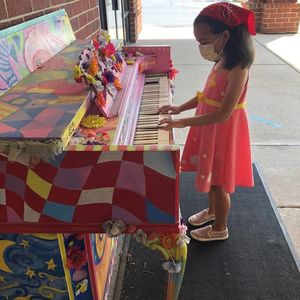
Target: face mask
(208, 52)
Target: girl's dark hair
(239, 48)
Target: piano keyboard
(155, 94)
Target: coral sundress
(219, 153)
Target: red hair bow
(231, 15)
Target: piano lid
(26, 46)
(43, 106)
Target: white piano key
(154, 95)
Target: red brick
(86, 5)
(34, 15)
(296, 20)
(268, 20)
(271, 10)
(274, 30)
(285, 10)
(89, 29)
(15, 22)
(270, 6)
(290, 15)
(80, 34)
(289, 24)
(280, 20)
(69, 10)
(75, 23)
(18, 7)
(295, 9)
(291, 30)
(90, 15)
(276, 25)
(82, 20)
(3, 14)
(76, 8)
(93, 3)
(273, 16)
(96, 12)
(96, 25)
(40, 4)
(50, 10)
(57, 2)
(4, 25)
(93, 35)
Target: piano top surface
(43, 104)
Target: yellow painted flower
(83, 288)
(90, 79)
(129, 61)
(77, 73)
(93, 121)
(106, 36)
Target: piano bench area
(83, 161)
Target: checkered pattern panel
(92, 187)
(133, 210)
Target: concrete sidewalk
(273, 98)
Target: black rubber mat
(254, 263)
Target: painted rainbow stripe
(112, 148)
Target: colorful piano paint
(74, 187)
(53, 33)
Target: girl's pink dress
(219, 153)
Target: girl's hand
(168, 124)
(169, 109)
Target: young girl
(218, 146)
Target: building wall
(83, 14)
(135, 11)
(276, 16)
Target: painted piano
(82, 162)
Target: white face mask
(208, 51)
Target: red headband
(231, 15)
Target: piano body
(63, 202)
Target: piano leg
(175, 279)
(173, 247)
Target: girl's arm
(236, 81)
(171, 109)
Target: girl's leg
(211, 202)
(221, 201)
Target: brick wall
(83, 14)
(135, 14)
(276, 16)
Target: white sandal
(207, 234)
(201, 218)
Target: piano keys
(156, 93)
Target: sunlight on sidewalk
(151, 32)
(287, 48)
(172, 19)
